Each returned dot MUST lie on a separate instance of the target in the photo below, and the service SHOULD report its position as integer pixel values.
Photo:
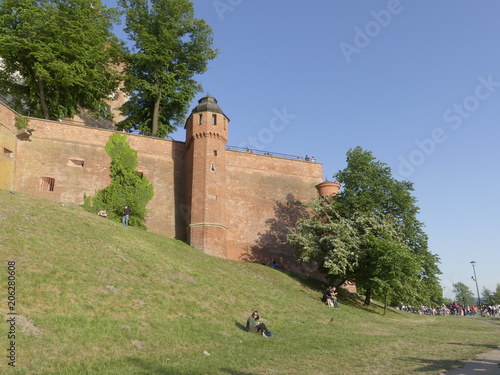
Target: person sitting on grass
(330, 297)
(253, 324)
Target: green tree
(491, 297)
(57, 56)
(369, 187)
(127, 186)
(496, 295)
(328, 239)
(170, 47)
(370, 235)
(463, 295)
(392, 270)
(487, 296)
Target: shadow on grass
(149, 368)
(485, 346)
(144, 367)
(345, 297)
(240, 326)
(439, 365)
(235, 372)
(433, 365)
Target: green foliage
(58, 56)
(370, 235)
(491, 297)
(92, 295)
(170, 47)
(126, 188)
(463, 295)
(21, 122)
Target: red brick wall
(7, 147)
(247, 193)
(261, 193)
(52, 147)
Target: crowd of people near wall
(453, 309)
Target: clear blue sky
(416, 82)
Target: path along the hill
(485, 364)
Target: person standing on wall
(125, 215)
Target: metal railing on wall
(268, 153)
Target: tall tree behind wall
(170, 47)
(58, 56)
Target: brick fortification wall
(75, 158)
(254, 197)
(7, 147)
(264, 195)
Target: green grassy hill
(94, 297)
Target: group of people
(254, 325)
(125, 214)
(330, 297)
(453, 309)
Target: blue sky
(416, 82)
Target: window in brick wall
(47, 183)
(8, 153)
(200, 118)
(76, 163)
(215, 152)
(214, 119)
(212, 167)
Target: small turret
(327, 188)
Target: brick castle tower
(206, 138)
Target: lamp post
(477, 288)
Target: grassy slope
(98, 298)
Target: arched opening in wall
(47, 183)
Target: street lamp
(477, 288)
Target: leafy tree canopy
(463, 294)
(491, 297)
(369, 234)
(170, 47)
(58, 56)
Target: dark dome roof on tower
(208, 104)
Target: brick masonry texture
(223, 202)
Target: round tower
(206, 138)
(326, 188)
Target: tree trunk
(368, 296)
(43, 102)
(156, 115)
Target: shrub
(126, 188)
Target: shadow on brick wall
(272, 245)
